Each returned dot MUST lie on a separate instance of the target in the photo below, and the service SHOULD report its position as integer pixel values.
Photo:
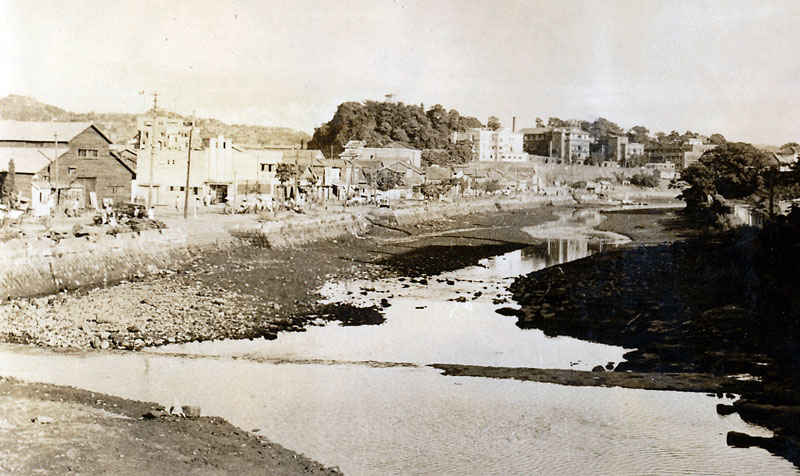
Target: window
(72, 171)
(183, 189)
(87, 153)
(171, 188)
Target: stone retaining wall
(45, 266)
(37, 267)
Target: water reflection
(449, 319)
(371, 421)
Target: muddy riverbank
(52, 429)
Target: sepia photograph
(400, 237)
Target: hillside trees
(639, 134)
(717, 139)
(382, 123)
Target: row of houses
(570, 144)
(57, 163)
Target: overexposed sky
(723, 66)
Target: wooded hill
(122, 126)
(382, 123)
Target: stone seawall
(45, 266)
(39, 267)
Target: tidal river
(362, 398)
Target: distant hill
(122, 126)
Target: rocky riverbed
(255, 292)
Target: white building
(220, 168)
(170, 133)
(502, 145)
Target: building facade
(65, 160)
(357, 150)
(565, 144)
(502, 145)
(217, 167)
(681, 155)
(170, 133)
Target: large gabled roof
(27, 160)
(31, 131)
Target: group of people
(260, 204)
(196, 201)
(109, 216)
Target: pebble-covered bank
(251, 291)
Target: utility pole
(152, 148)
(188, 168)
(55, 163)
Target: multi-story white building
(170, 133)
(503, 145)
(634, 149)
(217, 167)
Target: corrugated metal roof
(30, 131)
(27, 160)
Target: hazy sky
(710, 66)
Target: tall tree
(639, 134)
(493, 123)
(717, 139)
(10, 184)
(735, 170)
(556, 122)
(602, 127)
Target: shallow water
(398, 420)
(361, 398)
(425, 325)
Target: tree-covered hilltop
(122, 126)
(382, 123)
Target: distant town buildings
(666, 170)
(682, 155)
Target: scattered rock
(510, 311)
(191, 411)
(723, 409)
(43, 420)
(154, 414)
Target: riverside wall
(43, 266)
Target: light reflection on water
(378, 421)
(425, 325)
